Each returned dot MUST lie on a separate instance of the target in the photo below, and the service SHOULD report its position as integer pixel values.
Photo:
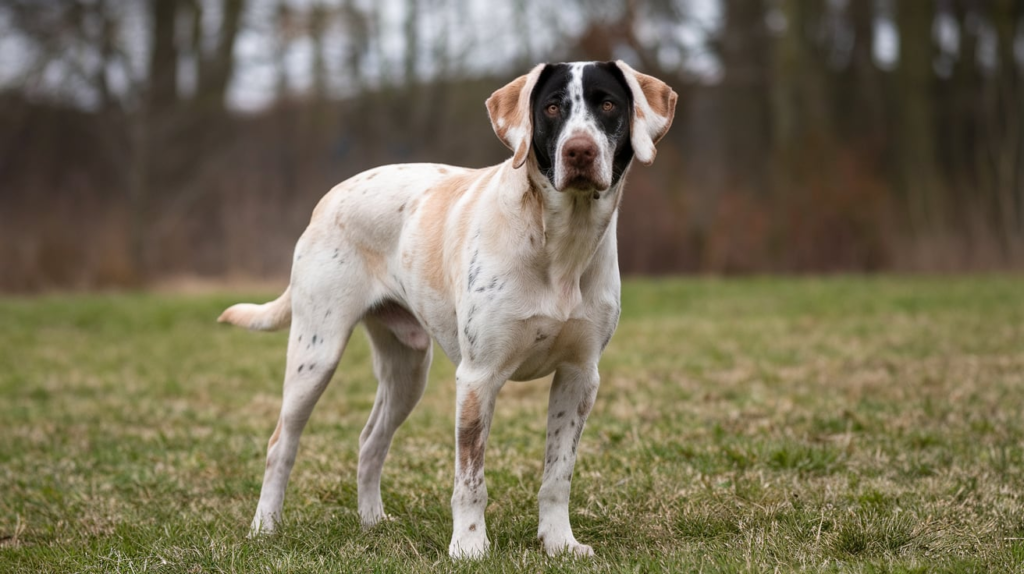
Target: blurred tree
(745, 50)
(806, 131)
(915, 125)
(1005, 137)
(858, 93)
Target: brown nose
(579, 152)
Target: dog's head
(584, 121)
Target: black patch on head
(604, 82)
(552, 88)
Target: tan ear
(509, 109)
(654, 106)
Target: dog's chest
(547, 343)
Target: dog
(511, 269)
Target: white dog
(512, 269)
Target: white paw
(262, 526)
(369, 521)
(569, 546)
(469, 547)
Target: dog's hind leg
(401, 361)
(323, 317)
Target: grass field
(843, 424)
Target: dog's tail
(267, 317)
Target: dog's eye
(552, 110)
(608, 106)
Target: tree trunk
(915, 127)
(216, 70)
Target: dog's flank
(511, 269)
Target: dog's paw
(259, 529)
(264, 523)
(566, 546)
(372, 520)
(469, 547)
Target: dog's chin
(581, 184)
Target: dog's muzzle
(580, 165)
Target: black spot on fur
(576, 439)
(474, 271)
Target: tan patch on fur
(471, 430)
(274, 437)
(661, 98)
(533, 204)
(584, 408)
(656, 92)
(462, 229)
(504, 109)
(375, 264)
(371, 176)
(437, 204)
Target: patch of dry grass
(845, 424)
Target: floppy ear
(511, 117)
(654, 106)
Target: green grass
(847, 424)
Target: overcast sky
(478, 34)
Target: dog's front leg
(475, 396)
(572, 396)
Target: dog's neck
(575, 224)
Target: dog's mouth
(579, 183)
(585, 178)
